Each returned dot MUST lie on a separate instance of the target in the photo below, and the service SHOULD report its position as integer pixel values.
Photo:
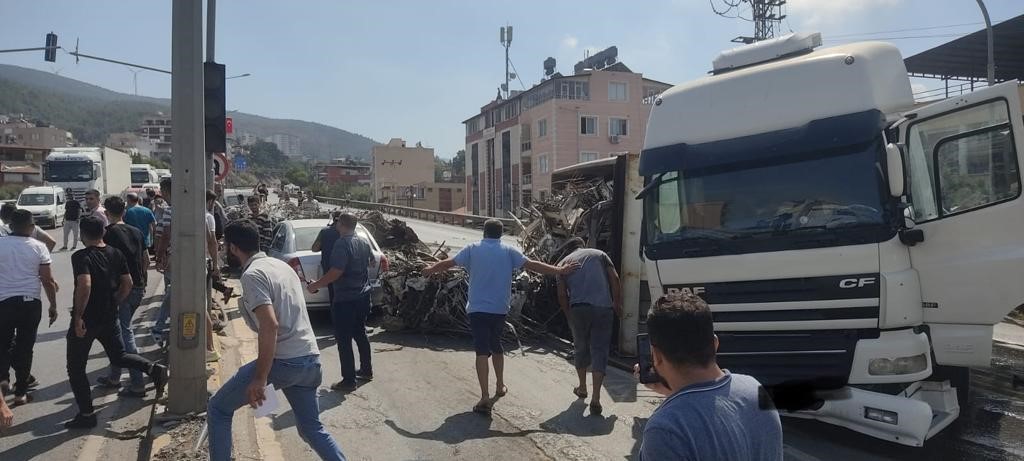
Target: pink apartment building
(514, 144)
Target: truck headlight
(898, 366)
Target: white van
(46, 204)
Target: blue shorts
(487, 330)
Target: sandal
(502, 392)
(579, 392)
(482, 408)
(595, 409)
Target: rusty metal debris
(438, 303)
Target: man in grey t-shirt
(590, 300)
(710, 414)
(273, 305)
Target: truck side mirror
(894, 166)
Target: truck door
(962, 159)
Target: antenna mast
(767, 16)
(506, 41)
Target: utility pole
(991, 45)
(187, 388)
(767, 16)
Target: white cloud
(570, 41)
(817, 13)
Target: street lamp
(237, 76)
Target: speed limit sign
(220, 166)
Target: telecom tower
(767, 16)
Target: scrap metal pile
(281, 211)
(438, 303)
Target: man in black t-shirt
(72, 211)
(132, 245)
(102, 282)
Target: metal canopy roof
(966, 57)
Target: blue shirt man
(491, 265)
(141, 218)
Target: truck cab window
(964, 161)
(976, 170)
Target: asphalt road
(38, 432)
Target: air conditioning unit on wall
(614, 139)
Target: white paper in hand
(269, 405)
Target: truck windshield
(69, 171)
(35, 199)
(784, 202)
(140, 177)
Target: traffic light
(51, 47)
(214, 107)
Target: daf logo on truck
(856, 283)
(696, 291)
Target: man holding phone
(26, 264)
(709, 413)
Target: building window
(542, 128)
(572, 89)
(542, 163)
(35, 136)
(616, 91)
(618, 127)
(525, 143)
(588, 125)
(588, 156)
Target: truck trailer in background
(82, 168)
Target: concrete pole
(991, 45)
(187, 388)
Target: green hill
(91, 113)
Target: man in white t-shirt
(26, 264)
(7, 211)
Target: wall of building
(397, 166)
(26, 134)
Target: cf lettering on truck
(848, 241)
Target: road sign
(240, 163)
(221, 166)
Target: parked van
(46, 204)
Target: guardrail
(440, 217)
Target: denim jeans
(125, 312)
(349, 317)
(165, 306)
(298, 378)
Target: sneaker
(158, 373)
(364, 375)
(32, 382)
(128, 391)
(212, 356)
(65, 247)
(22, 399)
(108, 382)
(345, 385)
(81, 421)
(5, 387)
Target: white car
(292, 243)
(46, 204)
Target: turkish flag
(229, 126)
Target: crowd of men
(706, 410)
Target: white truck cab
(855, 249)
(46, 204)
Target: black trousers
(109, 336)
(349, 318)
(19, 324)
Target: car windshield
(305, 236)
(35, 199)
(140, 177)
(69, 171)
(805, 195)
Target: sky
(415, 69)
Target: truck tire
(959, 377)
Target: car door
(277, 243)
(962, 158)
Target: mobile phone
(648, 375)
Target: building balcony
(527, 180)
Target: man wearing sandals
(590, 300)
(491, 265)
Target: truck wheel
(959, 377)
